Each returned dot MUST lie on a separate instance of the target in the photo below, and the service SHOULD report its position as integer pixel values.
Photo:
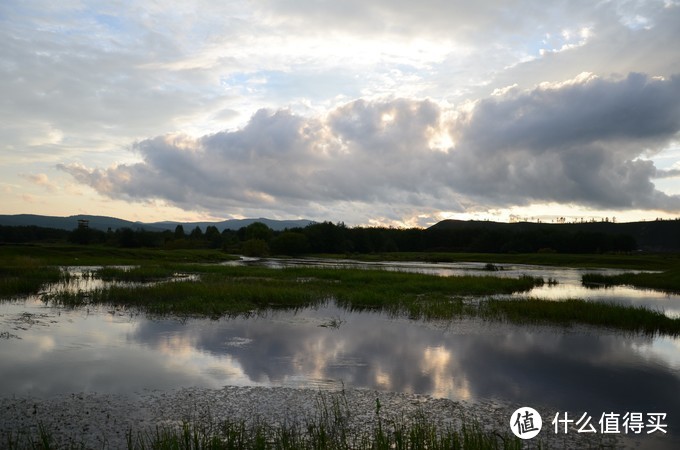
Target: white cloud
(282, 103)
(42, 180)
(574, 142)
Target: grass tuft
(668, 281)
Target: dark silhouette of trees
(258, 239)
(291, 243)
(179, 232)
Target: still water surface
(46, 350)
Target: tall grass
(22, 275)
(233, 291)
(321, 435)
(69, 255)
(238, 290)
(668, 281)
(137, 274)
(332, 426)
(637, 261)
(629, 318)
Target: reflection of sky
(569, 280)
(55, 350)
(581, 369)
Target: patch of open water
(568, 280)
(47, 350)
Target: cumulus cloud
(42, 180)
(576, 142)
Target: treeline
(258, 239)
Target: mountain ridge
(105, 222)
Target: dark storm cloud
(578, 142)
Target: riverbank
(351, 416)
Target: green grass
(23, 275)
(569, 312)
(25, 269)
(243, 290)
(89, 255)
(668, 281)
(138, 274)
(661, 261)
(224, 290)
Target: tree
(196, 233)
(179, 232)
(258, 230)
(290, 243)
(213, 236)
(255, 247)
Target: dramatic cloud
(345, 110)
(577, 142)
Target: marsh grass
(224, 290)
(668, 281)
(242, 291)
(22, 275)
(41, 439)
(93, 255)
(322, 433)
(138, 274)
(331, 427)
(636, 261)
(568, 312)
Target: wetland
(537, 335)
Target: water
(48, 350)
(568, 279)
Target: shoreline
(106, 420)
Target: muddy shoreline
(105, 420)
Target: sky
(388, 112)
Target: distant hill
(234, 224)
(660, 235)
(104, 223)
(71, 222)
